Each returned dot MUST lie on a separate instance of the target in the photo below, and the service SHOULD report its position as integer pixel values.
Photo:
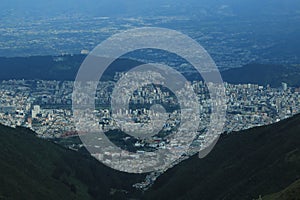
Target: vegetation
(54, 67)
(264, 74)
(292, 192)
(32, 168)
(243, 165)
(66, 68)
(262, 161)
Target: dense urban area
(46, 108)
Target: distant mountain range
(262, 161)
(66, 68)
(264, 74)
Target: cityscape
(150, 99)
(46, 108)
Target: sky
(117, 8)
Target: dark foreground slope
(292, 192)
(31, 168)
(261, 161)
(243, 165)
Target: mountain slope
(66, 68)
(32, 168)
(243, 165)
(263, 74)
(292, 192)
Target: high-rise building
(284, 86)
(36, 110)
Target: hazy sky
(45, 8)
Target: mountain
(243, 165)
(264, 74)
(32, 168)
(52, 67)
(262, 161)
(66, 68)
(291, 192)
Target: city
(46, 108)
